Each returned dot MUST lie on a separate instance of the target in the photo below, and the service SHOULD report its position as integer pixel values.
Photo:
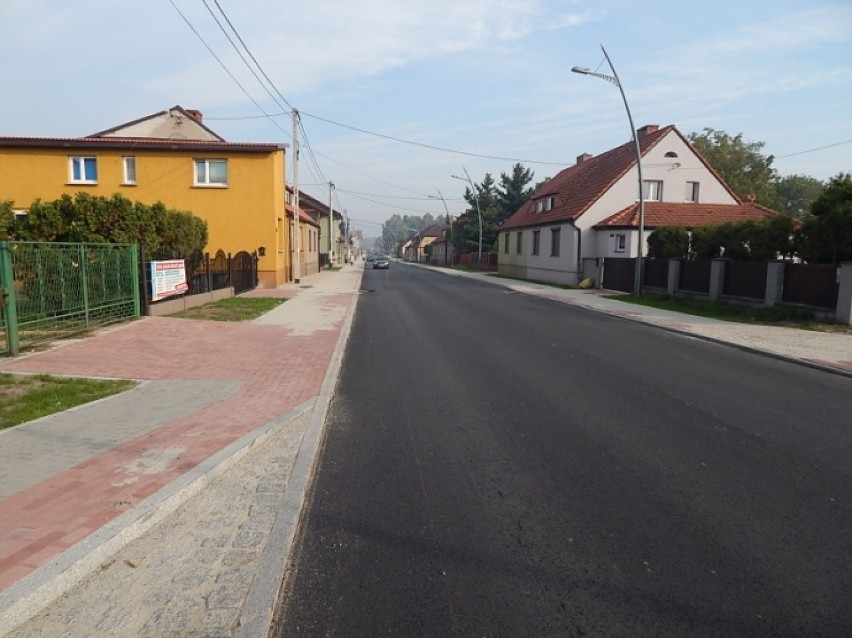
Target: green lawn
(232, 309)
(27, 397)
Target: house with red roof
(590, 211)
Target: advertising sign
(168, 278)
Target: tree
(668, 242)
(796, 193)
(741, 164)
(7, 220)
(826, 233)
(116, 219)
(514, 191)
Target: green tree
(7, 220)
(796, 193)
(669, 242)
(772, 237)
(514, 190)
(746, 170)
(826, 233)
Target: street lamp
(613, 79)
(450, 222)
(467, 179)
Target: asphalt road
(502, 465)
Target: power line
(814, 150)
(224, 68)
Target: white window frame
(545, 204)
(79, 162)
(620, 243)
(692, 190)
(205, 180)
(536, 242)
(652, 190)
(128, 164)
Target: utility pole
(297, 265)
(330, 225)
(450, 251)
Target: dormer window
(545, 204)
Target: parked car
(381, 261)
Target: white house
(590, 210)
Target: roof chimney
(648, 128)
(582, 158)
(198, 116)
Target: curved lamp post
(450, 222)
(613, 79)
(467, 179)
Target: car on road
(381, 261)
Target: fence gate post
(7, 285)
(844, 293)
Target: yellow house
(171, 157)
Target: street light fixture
(613, 79)
(450, 222)
(473, 190)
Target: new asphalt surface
(170, 510)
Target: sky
(397, 96)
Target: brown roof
(578, 187)
(688, 215)
(130, 143)
(303, 216)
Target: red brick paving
(277, 372)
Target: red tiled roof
(578, 187)
(688, 215)
(303, 216)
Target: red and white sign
(168, 278)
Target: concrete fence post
(717, 277)
(844, 293)
(673, 276)
(774, 283)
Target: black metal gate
(243, 272)
(619, 273)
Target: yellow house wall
(242, 216)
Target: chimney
(582, 158)
(198, 116)
(648, 128)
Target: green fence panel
(63, 289)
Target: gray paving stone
(226, 597)
(249, 539)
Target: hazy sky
(481, 77)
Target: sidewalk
(177, 518)
(109, 498)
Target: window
(536, 241)
(692, 191)
(518, 241)
(555, 236)
(620, 243)
(211, 172)
(506, 243)
(652, 191)
(84, 170)
(545, 204)
(129, 169)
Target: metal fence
(694, 276)
(52, 290)
(656, 273)
(811, 285)
(745, 279)
(204, 273)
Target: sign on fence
(168, 278)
